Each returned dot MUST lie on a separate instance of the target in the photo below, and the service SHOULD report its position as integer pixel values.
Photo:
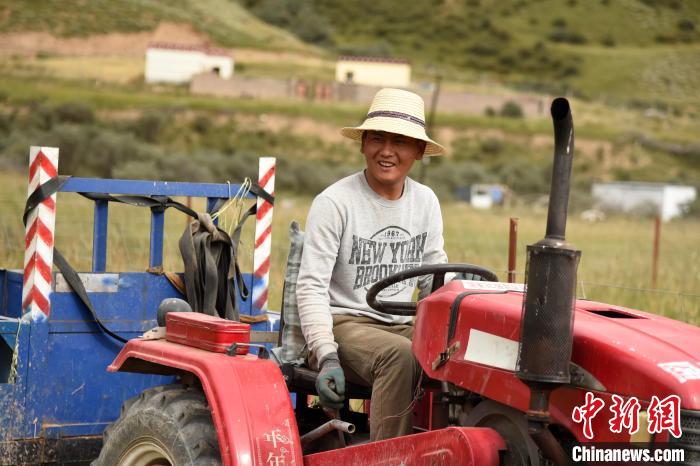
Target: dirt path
(111, 44)
(30, 44)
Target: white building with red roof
(177, 63)
(373, 71)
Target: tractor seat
(302, 379)
(291, 345)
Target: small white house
(177, 63)
(373, 71)
(666, 200)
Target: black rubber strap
(73, 280)
(55, 184)
(153, 202)
(69, 274)
(454, 310)
(235, 241)
(258, 191)
(213, 253)
(42, 193)
(255, 189)
(158, 204)
(164, 202)
(212, 273)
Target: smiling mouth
(386, 164)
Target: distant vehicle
(484, 196)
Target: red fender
(452, 446)
(249, 401)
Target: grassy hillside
(620, 51)
(617, 50)
(146, 134)
(226, 22)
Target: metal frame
(60, 387)
(211, 191)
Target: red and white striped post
(263, 234)
(39, 236)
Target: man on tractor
(361, 229)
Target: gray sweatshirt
(354, 238)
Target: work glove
(330, 383)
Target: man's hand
(330, 383)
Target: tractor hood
(624, 351)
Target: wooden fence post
(512, 248)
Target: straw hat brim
(397, 126)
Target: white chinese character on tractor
(682, 370)
(275, 436)
(275, 460)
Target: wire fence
(681, 305)
(614, 268)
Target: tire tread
(184, 409)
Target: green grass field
(615, 265)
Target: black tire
(512, 426)
(169, 425)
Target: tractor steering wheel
(438, 271)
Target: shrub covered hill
(225, 21)
(634, 66)
(645, 49)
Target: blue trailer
(56, 397)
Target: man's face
(389, 157)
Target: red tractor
(506, 368)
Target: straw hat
(396, 111)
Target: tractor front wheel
(169, 425)
(511, 425)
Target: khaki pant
(379, 355)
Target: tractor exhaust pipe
(561, 171)
(546, 331)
